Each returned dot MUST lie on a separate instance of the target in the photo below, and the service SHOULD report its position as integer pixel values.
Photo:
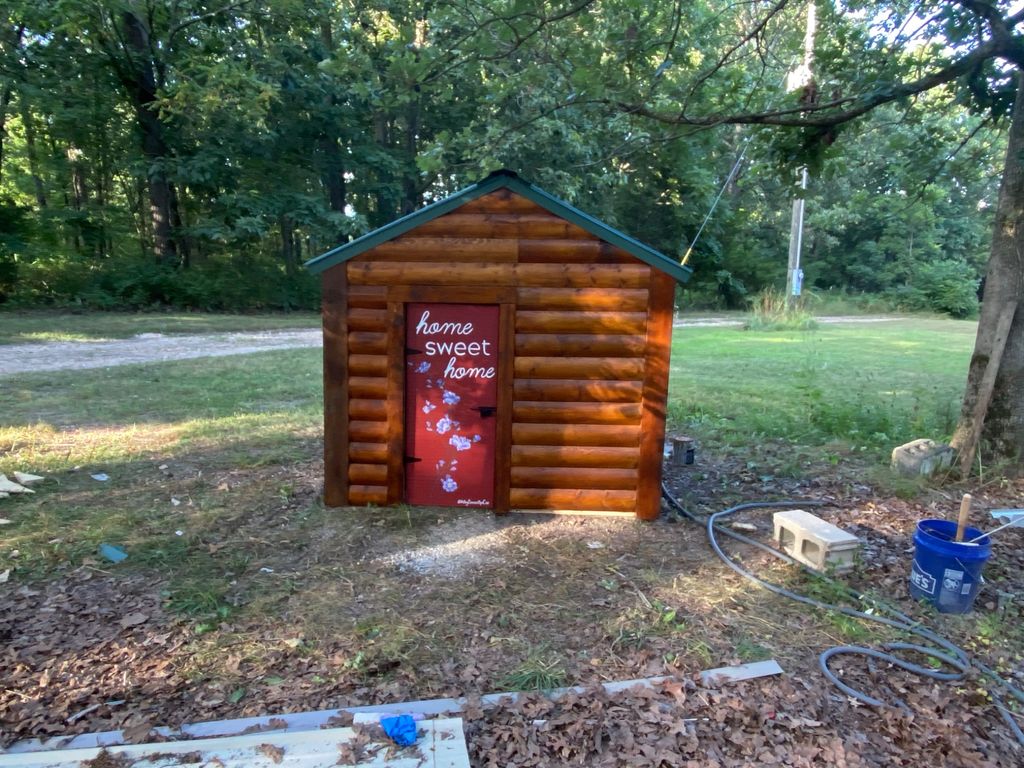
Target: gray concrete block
(921, 457)
(815, 542)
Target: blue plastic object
(113, 553)
(401, 729)
(946, 573)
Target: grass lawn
(36, 326)
(248, 596)
(868, 385)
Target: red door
(451, 396)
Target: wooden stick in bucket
(965, 512)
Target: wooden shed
(497, 349)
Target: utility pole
(800, 78)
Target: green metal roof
(498, 180)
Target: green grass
(867, 385)
(199, 419)
(40, 326)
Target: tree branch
(825, 115)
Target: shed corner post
(660, 308)
(334, 310)
(395, 404)
(506, 398)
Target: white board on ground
(440, 744)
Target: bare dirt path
(158, 347)
(146, 348)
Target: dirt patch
(334, 608)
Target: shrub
(947, 286)
(768, 312)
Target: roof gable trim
(495, 181)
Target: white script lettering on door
(451, 349)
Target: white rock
(7, 486)
(26, 479)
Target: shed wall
(585, 357)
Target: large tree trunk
(140, 81)
(1003, 434)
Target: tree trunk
(140, 82)
(288, 244)
(1003, 432)
(30, 150)
(5, 99)
(334, 173)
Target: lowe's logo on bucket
(923, 581)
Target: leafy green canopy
(280, 128)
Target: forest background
(195, 153)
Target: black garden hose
(950, 655)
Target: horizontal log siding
(578, 389)
(580, 333)
(367, 390)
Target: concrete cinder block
(921, 457)
(815, 542)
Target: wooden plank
(395, 410)
(368, 474)
(582, 275)
(501, 201)
(575, 434)
(367, 343)
(576, 413)
(368, 432)
(503, 427)
(570, 456)
(605, 479)
(580, 344)
(452, 294)
(572, 252)
(368, 453)
(415, 273)
(589, 299)
(360, 319)
(334, 301)
(369, 387)
(609, 368)
(368, 365)
(450, 249)
(652, 424)
(368, 410)
(558, 321)
(514, 225)
(570, 499)
(366, 296)
(968, 443)
(577, 391)
(361, 495)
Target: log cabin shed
(497, 349)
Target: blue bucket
(946, 573)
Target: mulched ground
(351, 608)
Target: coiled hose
(950, 655)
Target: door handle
(485, 410)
